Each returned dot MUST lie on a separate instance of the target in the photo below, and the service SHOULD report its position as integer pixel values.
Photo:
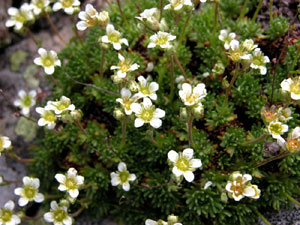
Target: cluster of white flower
(292, 86)
(239, 186)
(62, 109)
(90, 18)
(172, 220)
(246, 51)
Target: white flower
(180, 80)
(226, 38)
(239, 187)
(39, 5)
(292, 86)
(122, 177)
(146, 89)
(5, 143)
(149, 15)
(26, 101)
(292, 143)
(58, 215)
(237, 52)
(126, 100)
(178, 4)
(18, 17)
(61, 106)
(124, 66)
(258, 61)
(152, 222)
(146, 113)
(47, 118)
(192, 96)
(90, 17)
(249, 45)
(207, 184)
(114, 37)
(184, 164)
(150, 67)
(70, 182)
(277, 128)
(69, 6)
(161, 39)
(7, 216)
(48, 60)
(284, 114)
(29, 191)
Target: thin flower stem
(79, 125)
(271, 11)
(257, 10)
(32, 36)
(292, 199)
(54, 28)
(109, 3)
(161, 9)
(281, 155)
(295, 59)
(190, 130)
(75, 30)
(32, 218)
(262, 217)
(254, 141)
(54, 81)
(78, 212)
(52, 196)
(184, 28)
(179, 66)
(172, 80)
(12, 181)
(19, 159)
(231, 82)
(215, 22)
(121, 11)
(243, 9)
(102, 64)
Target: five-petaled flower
(192, 96)
(122, 177)
(276, 129)
(7, 216)
(19, 17)
(238, 52)
(25, 101)
(39, 6)
(29, 191)
(292, 86)
(239, 186)
(124, 66)
(178, 4)
(114, 37)
(47, 118)
(226, 37)
(184, 164)
(146, 89)
(292, 143)
(58, 215)
(70, 182)
(48, 60)
(162, 39)
(61, 106)
(126, 100)
(145, 112)
(5, 143)
(69, 6)
(149, 15)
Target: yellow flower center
(293, 145)
(191, 99)
(21, 16)
(6, 215)
(124, 66)
(114, 37)
(39, 4)
(276, 128)
(295, 87)
(27, 101)
(47, 61)
(127, 103)
(124, 176)
(1, 143)
(71, 183)
(183, 163)
(67, 3)
(49, 116)
(61, 105)
(29, 192)
(238, 189)
(59, 215)
(147, 114)
(162, 39)
(236, 55)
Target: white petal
(10, 23)
(228, 187)
(147, 102)
(249, 191)
(18, 191)
(49, 70)
(155, 122)
(159, 113)
(125, 93)
(6, 142)
(117, 46)
(237, 198)
(177, 172)
(67, 220)
(35, 182)
(54, 205)
(189, 176)
(39, 197)
(207, 185)
(187, 89)
(49, 217)
(173, 156)
(22, 201)
(122, 167)
(196, 163)
(80, 180)
(153, 86)
(26, 180)
(62, 187)
(32, 93)
(60, 178)
(10, 205)
(138, 122)
(295, 96)
(151, 45)
(12, 11)
(150, 222)
(83, 15)
(296, 132)
(136, 108)
(74, 193)
(132, 177)
(81, 25)
(121, 58)
(115, 181)
(126, 186)
(188, 153)
(69, 10)
(104, 39)
(247, 177)
(124, 41)
(42, 52)
(42, 122)
(285, 84)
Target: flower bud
(218, 68)
(133, 86)
(118, 114)
(172, 219)
(67, 118)
(64, 202)
(76, 114)
(150, 66)
(103, 18)
(183, 114)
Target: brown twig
(180, 67)
(19, 159)
(54, 28)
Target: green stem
(231, 82)
(257, 10)
(184, 28)
(271, 11)
(295, 59)
(215, 23)
(254, 141)
(172, 80)
(121, 11)
(123, 132)
(292, 199)
(179, 66)
(190, 130)
(161, 9)
(243, 9)
(101, 65)
(262, 217)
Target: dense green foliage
(218, 135)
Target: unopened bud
(118, 114)
(183, 114)
(172, 219)
(76, 114)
